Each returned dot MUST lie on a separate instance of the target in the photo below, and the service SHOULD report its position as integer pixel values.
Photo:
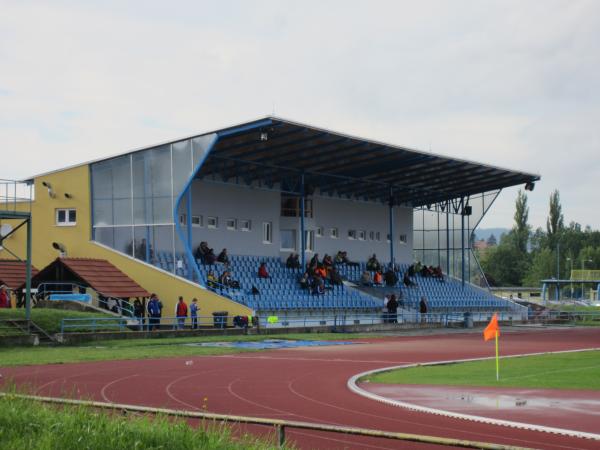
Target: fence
(280, 426)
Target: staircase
(23, 327)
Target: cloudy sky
(513, 84)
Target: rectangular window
(231, 224)
(319, 232)
(245, 225)
(403, 239)
(288, 240)
(197, 221)
(290, 206)
(352, 234)
(310, 240)
(371, 235)
(267, 233)
(334, 233)
(212, 222)
(66, 217)
(362, 234)
(377, 236)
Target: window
(310, 240)
(371, 235)
(377, 236)
(231, 224)
(403, 239)
(66, 217)
(245, 225)
(290, 206)
(334, 233)
(319, 232)
(196, 221)
(183, 219)
(288, 240)
(362, 234)
(352, 234)
(212, 222)
(267, 233)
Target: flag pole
(497, 361)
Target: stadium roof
(274, 151)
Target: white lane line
(353, 386)
(107, 385)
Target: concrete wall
(240, 202)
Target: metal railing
(279, 425)
(550, 317)
(13, 194)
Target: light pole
(583, 261)
(571, 276)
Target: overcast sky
(515, 84)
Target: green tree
(555, 223)
(506, 263)
(543, 266)
(521, 228)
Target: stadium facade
(263, 189)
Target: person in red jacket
(181, 311)
(4, 297)
(262, 271)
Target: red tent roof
(12, 273)
(100, 275)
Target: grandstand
(265, 189)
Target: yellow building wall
(78, 243)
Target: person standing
(4, 297)
(194, 313)
(154, 312)
(392, 307)
(181, 311)
(423, 309)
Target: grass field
(578, 370)
(47, 318)
(29, 425)
(141, 348)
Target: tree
(555, 223)
(543, 266)
(521, 228)
(506, 263)
(491, 241)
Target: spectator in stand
(313, 263)
(418, 267)
(366, 279)
(378, 279)
(262, 271)
(411, 270)
(437, 273)
(317, 285)
(390, 277)
(194, 313)
(225, 278)
(392, 308)
(4, 297)
(211, 280)
(335, 277)
(293, 261)
(347, 261)
(407, 281)
(210, 258)
(154, 312)
(327, 262)
(423, 307)
(181, 311)
(223, 257)
(373, 264)
(305, 280)
(202, 251)
(321, 271)
(339, 258)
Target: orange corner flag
(492, 328)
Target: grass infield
(142, 348)
(578, 370)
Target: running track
(307, 384)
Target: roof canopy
(12, 273)
(98, 274)
(275, 151)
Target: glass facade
(437, 239)
(135, 198)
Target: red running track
(307, 384)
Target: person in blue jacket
(154, 312)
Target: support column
(391, 214)
(302, 233)
(447, 238)
(462, 244)
(189, 229)
(28, 274)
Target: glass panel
(72, 216)
(123, 240)
(159, 173)
(105, 236)
(288, 240)
(143, 245)
(162, 244)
